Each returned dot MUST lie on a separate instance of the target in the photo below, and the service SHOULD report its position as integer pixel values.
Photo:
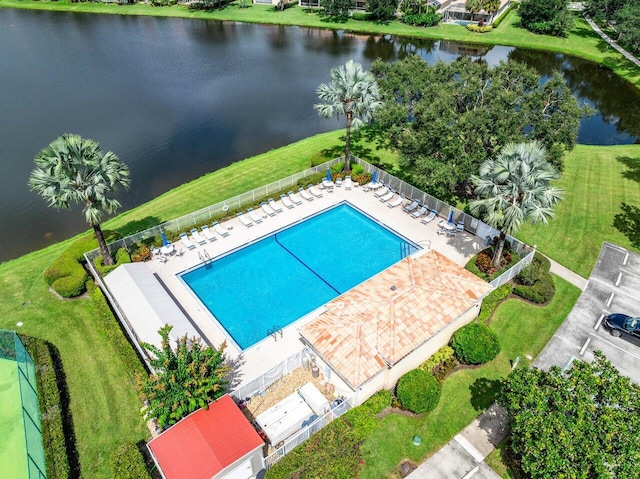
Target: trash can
(315, 371)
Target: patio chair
(254, 217)
(450, 233)
(207, 233)
(388, 196)
(277, 208)
(305, 194)
(268, 209)
(460, 227)
(347, 183)
(244, 220)
(314, 192)
(221, 230)
(338, 182)
(395, 202)
(429, 218)
(384, 191)
(419, 213)
(286, 201)
(186, 242)
(195, 236)
(410, 208)
(292, 196)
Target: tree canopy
(185, 379)
(549, 17)
(578, 423)
(447, 119)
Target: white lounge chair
(384, 191)
(268, 209)
(419, 213)
(286, 201)
(186, 242)
(195, 236)
(275, 206)
(388, 196)
(429, 218)
(305, 194)
(221, 230)
(207, 233)
(244, 220)
(460, 227)
(395, 202)
(347, 183)
(314, 192)
(328, 184)
(338, 182)
(254, 216)
(292, 196)
(410, 208)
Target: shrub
(378, 402)
(309, 180)
(143, 253)
(362, 178)
(482, 266)
(65, 274)
(356, 169)
(540, 292)
(479, 28)
(418, 391)
(362, 420)
(122, 257)
(445, 368)
(127, 463)
(438, 358)
(491, 301)
(337, 168)
(496, 23)
(426, 19)
(475, 343)
(530, 274)
(361, 16)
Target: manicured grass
(13, 455)
(582, 40)
(596, 180)
(523, 329)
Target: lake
(175, 98)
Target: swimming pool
(269, 284)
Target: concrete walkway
(567, 274)
(612, 42)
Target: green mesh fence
(23, 434)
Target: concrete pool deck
(271, 351)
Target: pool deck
(271, 351)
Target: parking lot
(613, 287)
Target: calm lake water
(177, 98)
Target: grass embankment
(582, 41)
(103, 401)
(467, 392)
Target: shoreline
(582, 41)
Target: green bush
(426, 19)
(53, 406)
(418, 391)
(362, 421)
(438, 358)
(496, 23)
(544, 262)
(529, 274)
(479, 29)
(541, 292)
(127, 463)
(378, 402)
(122, 257)
(491, 301)
(337, 168)
(361, 16)
(475, 343)
(482, 266)
(445, 368)
(142, 253)
(356, 169)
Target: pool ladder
(274, 332)
(204, 255)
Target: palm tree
(515, 188)
(473, 7)
(74, 170)
(352, 92)
(491, 7)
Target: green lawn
(582, 40)
(13, 455)
(596, 180)
(523, 329)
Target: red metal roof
(205, 442)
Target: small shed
(214, 443)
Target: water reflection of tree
(616, 99)
(334, 42)
(278, 37)
(464, 49)
(380, 47)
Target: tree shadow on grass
(483, 393)
(633, 168)
(136, 226)
(628, 223)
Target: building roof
(205, 442)
(379, 322)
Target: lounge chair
(268, 209)
(419, 213)
(451, 233)
(276, 207)
(207, 233)
(221, 230)
(347, 183)
(429, 218)
(384, 191)
(411, 207)
(460, 227)
(254, 217)
(195, 236)
(327, 184)
(186, 242)
(314, 192)
(396, 202)
(305, 194)
(338, 182)
(292, 196)
(286, 201)
(244, 220)
(388, 196)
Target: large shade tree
(515, 188)
(185, 378)
(446, 119)
(352, 93)
(578, 423)
(73, 170)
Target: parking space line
(615, 345)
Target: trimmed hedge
(116, 335)
(437, 359)
(475, 343)
(361, 16)
(53, 405)
(478, 29)
(378, 402)
(541, 292)
(418, 391)
(496, 23)
(122, 257)
(491, 301)
(362, 420)
(127, 463)
(65, 274)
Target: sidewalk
(612, 42)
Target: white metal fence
(305, 433)
(514, 270)
(261, 383)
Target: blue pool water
(271, 283)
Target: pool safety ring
(225, 208)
